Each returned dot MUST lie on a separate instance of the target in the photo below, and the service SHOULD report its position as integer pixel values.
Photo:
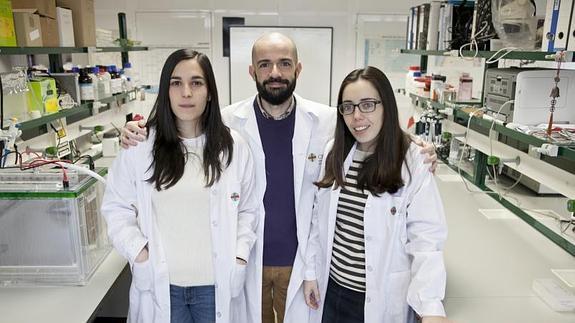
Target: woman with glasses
(181, 206)
(376, 247)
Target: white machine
(532, 99)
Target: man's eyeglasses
(364, 106)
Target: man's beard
(276, 96)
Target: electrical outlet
(548, 150)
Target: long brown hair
(381, 171)
(169, 158)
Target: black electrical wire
(484, 23)
(461, 27)
(1, 105)
(2, 145)
(57, 136)
(90, 161)
(18, 158)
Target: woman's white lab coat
(314, 127)
(234, 209)
(404, 236)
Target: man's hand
(429, 149)
(132, 133)
(311, 293)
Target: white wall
(339, 14)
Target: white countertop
(73, 304)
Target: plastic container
(50, 235)
(465, 89)
(87, 92)
(410, 78)
(420, 85)
(133, 78)
(453, 158)
(93, 74)
(105, 84)
(514, 23)
(436, 89)
(110, 143)
(116, 81)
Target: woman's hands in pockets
(141, 271)
(238, 277)
(142, 256)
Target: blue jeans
(193, 304)
(342, 305)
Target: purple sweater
(280, 231)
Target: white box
(65, 27)
(532, 99)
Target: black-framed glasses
(366, 106)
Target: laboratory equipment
(529, 88)
(499, 87)
(50, 235)
(532, 97)
(465, 89)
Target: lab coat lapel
(304, 123)
(247, 124)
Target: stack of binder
(430, 26)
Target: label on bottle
(116, 85)
(87, 92)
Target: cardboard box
(50, 37)
(46, 8)
(84, 21)
(7, 31)
(65, 27)
(28, 28)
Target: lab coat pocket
(238, 280)
(142, 275)
(398, 284)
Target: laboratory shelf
(65, 50)
(533, 222)
(566, 152)
(526, 55)
(564, 160)
(83, 107)
(117, 49)
(462, 117)
(45, 119)
(426, 102)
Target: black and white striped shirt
(348, 253)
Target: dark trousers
(342, 305)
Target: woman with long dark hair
(376, 249)
(181, 207)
